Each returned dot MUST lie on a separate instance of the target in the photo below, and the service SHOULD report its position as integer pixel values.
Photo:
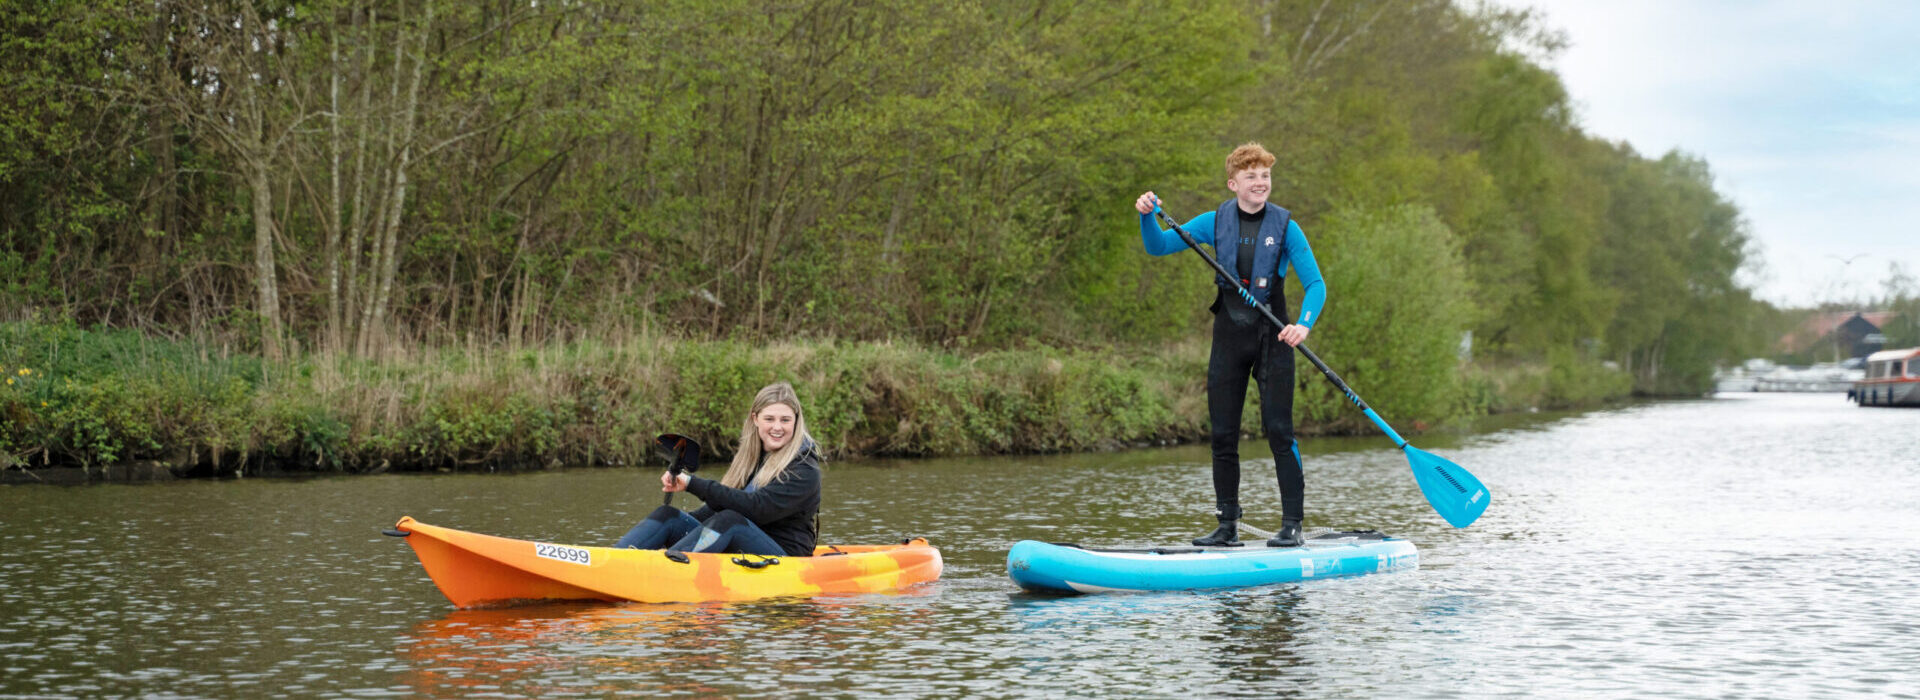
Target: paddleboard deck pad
(1071, 568)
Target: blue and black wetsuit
(1258, 247)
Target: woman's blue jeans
(725, 531)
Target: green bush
(95, 397)
(1575, 381)
(1564, 380)
(1397, 304)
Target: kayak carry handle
(390, 532)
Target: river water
(1754, 545)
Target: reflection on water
(1758, 545)
(603, 649)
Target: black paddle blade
(681, 452)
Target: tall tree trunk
(903, 193)
(263, 265)
(382, 197)
(390, 248)
(517, 315)
(164, 209)
(334, 217)
(357, 229)
(164, 205)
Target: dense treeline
(352, 176)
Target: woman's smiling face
(775, 423)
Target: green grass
(90, 398)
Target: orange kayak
(475, 570)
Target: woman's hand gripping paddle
(1455, 494)
(682, 455)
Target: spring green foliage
(1402, 288)
(447, 177)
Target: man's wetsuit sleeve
(1160, 241)
(1300, 256)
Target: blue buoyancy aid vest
(1268, 252)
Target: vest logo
(1260, 282)
(1269, 241)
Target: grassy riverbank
(91, 398)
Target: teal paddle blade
(1455, 494)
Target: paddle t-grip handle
(682, 455)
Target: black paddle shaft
(1264, 309)
(1457, 495)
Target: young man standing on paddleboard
(1257, 241)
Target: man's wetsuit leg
(1276, 378)
(1236, 347)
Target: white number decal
(561, 552)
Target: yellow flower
(24, 371)
(9, 381)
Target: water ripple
(1756, 546)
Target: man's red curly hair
(1248, 156)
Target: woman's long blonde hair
(750, 448)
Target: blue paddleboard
(1067, 568)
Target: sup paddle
(682, 455)
(1454, 493)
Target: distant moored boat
(1892, 379)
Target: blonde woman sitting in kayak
(767, 503)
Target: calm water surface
(1749, 546)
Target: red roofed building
(1838, 335)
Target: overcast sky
(1808, 113)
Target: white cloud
(1809, 114)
